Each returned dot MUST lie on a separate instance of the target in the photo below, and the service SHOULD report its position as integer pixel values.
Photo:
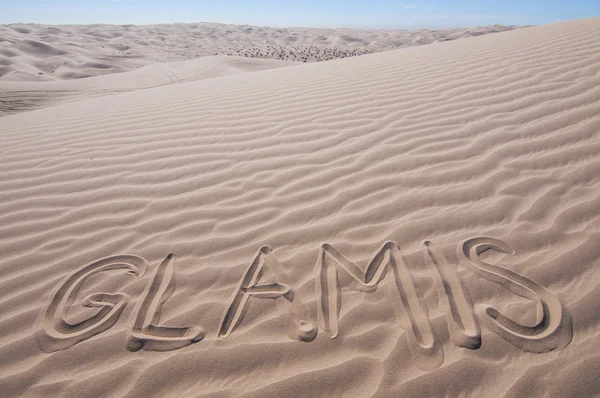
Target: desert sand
(34, 52)
(73, 61)
(21, 96)
(416, 222)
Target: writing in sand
(552, 330)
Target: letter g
(55, 334)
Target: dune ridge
(493, 136)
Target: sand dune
(343, 228)
(82, 61)
(31, 52)
(18, 97)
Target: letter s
(553, 329)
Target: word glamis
(553, 329)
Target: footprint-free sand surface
(416, 222)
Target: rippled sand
(304, 172)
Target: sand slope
(32, 52)
(18, 97)
(489, 136)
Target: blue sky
(325, 13)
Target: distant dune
(17, 96)
(155, 55)
(423, 222)
(31, 52)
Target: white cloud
(409, 6)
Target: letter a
(144, 332)
(299, 326)
(553, 328)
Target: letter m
(411, 314)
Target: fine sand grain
(421, 222)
